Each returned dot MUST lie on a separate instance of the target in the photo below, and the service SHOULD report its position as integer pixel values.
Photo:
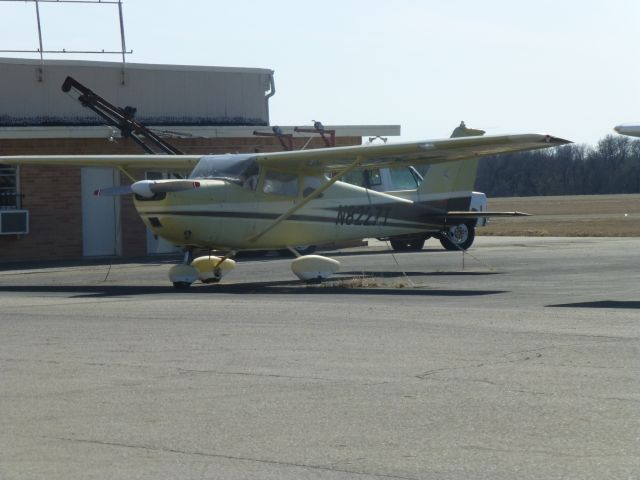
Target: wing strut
(308, 198)
(123, 170)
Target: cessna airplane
(281, 200)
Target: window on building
(9, 197)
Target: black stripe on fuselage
(428, 215)
(298, 218)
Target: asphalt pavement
(519, 359)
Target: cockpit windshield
(235, 168)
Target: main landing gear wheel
(314, 268)
(458, 237)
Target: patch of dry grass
(570, 216)
(365, 282)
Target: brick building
(199, 109)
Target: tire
(181, 285)
(458, 237)
(404, 245)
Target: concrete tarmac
(520, 359)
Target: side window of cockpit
(354, 178)
(364, 178)
(310, 185)
(372, 178)
(277, 183)
(250, 177)
(403, 179)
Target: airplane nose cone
(143, 188)
(628, 129)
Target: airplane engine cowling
(208, 269)
(314, 267)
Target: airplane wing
(318, 161)
(185, 162)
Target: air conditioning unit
(14, 222)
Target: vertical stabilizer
(450, 177)
(454, 178)
(462, 131)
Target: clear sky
(566, 67)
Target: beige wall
(162, 94)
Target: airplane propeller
(148, 188)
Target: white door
(100, 215)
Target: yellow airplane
(280, 200)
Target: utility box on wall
(14, 222)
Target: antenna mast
(123, 51)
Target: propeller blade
(113, 191)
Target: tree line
(612, 166)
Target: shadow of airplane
(252, 288)
(413, 274)
(630, 304)
(340, 253)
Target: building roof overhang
(198, 131)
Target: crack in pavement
(250, 374)
(428, 373)
(232, 457)
(540, 452)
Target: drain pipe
(272, 92)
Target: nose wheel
(183, 274)
(207, 269)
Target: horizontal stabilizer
(486, 214)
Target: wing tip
(556, 140)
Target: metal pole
(41, 70)
(124, 48)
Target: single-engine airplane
(280, 200)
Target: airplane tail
(451, 182)
(462, 131)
